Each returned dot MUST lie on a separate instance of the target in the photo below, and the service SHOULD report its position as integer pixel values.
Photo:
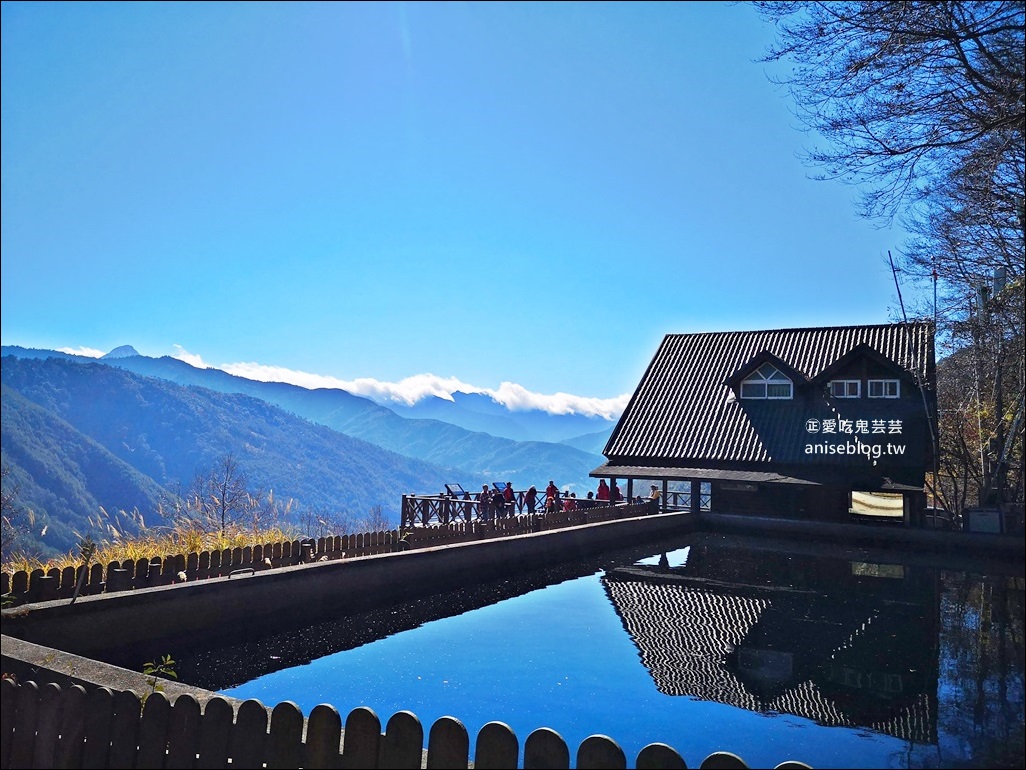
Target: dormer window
(845, 388)
(884, 388)
(767, 382)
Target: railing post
(405, 513)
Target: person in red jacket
(603, 490)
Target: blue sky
(520, 198)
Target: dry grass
(183, 538)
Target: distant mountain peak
(125, 351)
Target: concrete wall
(304, 592)
(300, 594)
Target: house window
(766, 382)
(845, 388)
(884, 389)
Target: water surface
(838, 657)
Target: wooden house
(812, 423)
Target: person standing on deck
(498, 504)
(552, 502)
(653, 499)
(484, 503)
(603, 491)
(531, 498)
(509, 499)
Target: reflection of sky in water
(559, 657)
(676, 558)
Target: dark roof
(684, 412)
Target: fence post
(402, 746)
(117, 580)
(361, 739)
(48, 586)
(448, 744)
(600, 751)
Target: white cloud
(515, 396)
(190, 358)
(410, 390)
(90, 352)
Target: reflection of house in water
(838, 642)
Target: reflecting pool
(838, 657)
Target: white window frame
(847, 389)
(773, 377)
(884, 388)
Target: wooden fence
(40, 586)
(48, 727)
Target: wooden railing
(441, 510)
(47, 726)
(429, 510)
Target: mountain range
(124, 432)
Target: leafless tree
(220, 495)
(905, 93)
(375, 520)
(922, 105)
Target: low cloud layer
(407, 391)
(89, 352)
(413, 389)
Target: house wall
(780, 500)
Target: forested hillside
(482, 457)
(77, 436)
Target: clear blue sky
(529, 193)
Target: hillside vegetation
(120, 439)
(81, 438)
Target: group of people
(501, 502)
(496, 503)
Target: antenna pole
(894, 272)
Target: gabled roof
(862, 350)
(683, 411)
(764, 357)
